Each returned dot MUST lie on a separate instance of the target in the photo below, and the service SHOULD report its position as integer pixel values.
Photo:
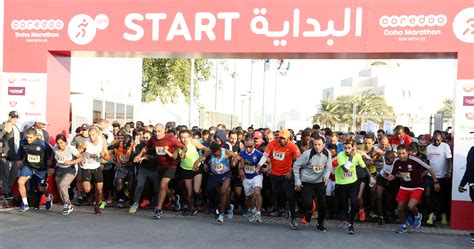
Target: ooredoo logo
(468, 101)
(82, 28)
(413, 21)
(468, 88)
(463, 25)
(50, 24)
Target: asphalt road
(115, 228)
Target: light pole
(191, 93)
(354, 110)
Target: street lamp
(243, 96)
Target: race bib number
(280, 156)
(318, 167)
(346, 175)
(406, 176)
(60, 159)
(249, 169)
(160, 151)
(124, 158)
(219, 167)
(347, 165)
(33, 158)
(93, 157)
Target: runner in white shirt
(93, 151)
(440, 158)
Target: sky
(301, 90)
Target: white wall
(109, 79)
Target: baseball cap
(257, 135)
(13, 114)
(284, 134)
(41, 120)
(85, 127)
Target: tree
(164, 78)
(328, 113)
(447, 109)
(340, 110)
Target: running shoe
(220, 218)
(68, 208)
(381, 221)
(49, 202)
(120, 203)
(444, 219)
(230, 211)
(402, 229)
(194, 212)
(373, 215)
(417, 221)
(177, 204)
(144, 203)
(472, 238)
(133, 209)
(410, 221)
(23, 208)
(431, 219)
(247, 212)
(350, 229)
(157, 214)
(103, 204)
(293, 224)
(274, 212)
(321, 228)
(362, 215)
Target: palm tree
(447, 109)
(328, 113)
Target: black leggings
(346, 192)
(315, 189)
(283, 191)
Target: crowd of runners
(302, 175)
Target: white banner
(24, 93)
(463, 138)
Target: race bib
(218, 167)
(280, 156)
(160, 151)
(93, 157)
(60, 159)
(318, 167)
(346, 175)
(33, 158)
(124, 158)
(249, 169)
(406, 176)
(348, 165)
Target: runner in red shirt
(400, 137)
(410, 171)
(282, 152)
(165, 145)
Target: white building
(107, 88)
(404, 88)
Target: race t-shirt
(251, 162)
(342, 177)
(162, 159)
(281, 157)
(64, 155)
(438, 157)
(36, 154)
(219, 166)
(410, 172)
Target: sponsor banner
(24, 93)
(463, 133)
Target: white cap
(41, 120)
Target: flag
(266, 65)
(283, 67)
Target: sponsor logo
(468, 88)
(463, 25)
(17, 91)
(50, 24)
(413, 21)
(470, 116)
(13, 103)
(82, 28)
(468, 101)
(11, 80)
